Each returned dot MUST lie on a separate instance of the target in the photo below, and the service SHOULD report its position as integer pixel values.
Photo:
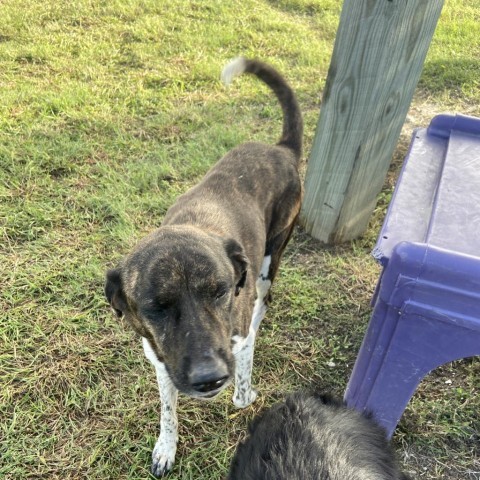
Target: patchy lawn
(109, 110)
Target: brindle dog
(196, 289)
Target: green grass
(452, 70)
(109, 110)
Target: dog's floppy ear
(239, 261)
(114, 292)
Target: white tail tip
(233, 69)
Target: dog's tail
(292, 118)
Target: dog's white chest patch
(238, 343)
(263, 286)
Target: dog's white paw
(242, 399)
(163, 457)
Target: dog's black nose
(208, 375)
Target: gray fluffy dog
(313, 436)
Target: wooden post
(377, 60)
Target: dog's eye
(155, 312)
(220, 294)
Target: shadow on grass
(459, 77)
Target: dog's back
(266, 174)
(311, 437)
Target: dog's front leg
(244, 395)
(243, 349)
(163, 455)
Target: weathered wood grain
(378, 56)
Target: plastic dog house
(427, 302)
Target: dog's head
(177, 289)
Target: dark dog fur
(190, 286)
(314, 437)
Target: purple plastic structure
(427, 303)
